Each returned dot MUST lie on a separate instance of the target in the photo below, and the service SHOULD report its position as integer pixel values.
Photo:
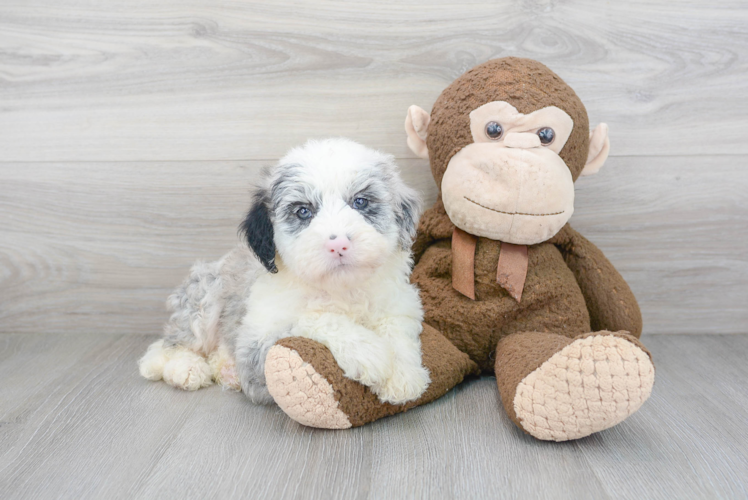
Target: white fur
(372, 326)
(359, 304)
(178, 366)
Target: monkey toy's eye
(360, 203)
(546, 135)
(494, 131)
(303, 213)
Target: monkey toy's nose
(524, 140)
(337, 245)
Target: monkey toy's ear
(599, 149)
(416, 126)
(257, 228)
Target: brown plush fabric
(556, 388)
(570, 288)
(525, 84)
(610, 302)
(434, 225)
(551, 300)
(522, 353)
(569, 282)
(447, 366)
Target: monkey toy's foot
(307, 383)
(559, 388)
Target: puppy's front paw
(405, 384)
(369, 374)
(371, 367)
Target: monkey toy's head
(506, 142)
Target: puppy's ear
(257, 228)
(407, 212)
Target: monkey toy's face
(504, 174)
(510, 184)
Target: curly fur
(284, 282)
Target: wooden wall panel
(97, 246)
(235, 80)
(130, 133)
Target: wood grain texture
(130, 135)
(89, 247)
(235, 80)
(100, 103)
(86, 426)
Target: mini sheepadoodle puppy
(327, 257)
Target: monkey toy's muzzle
(514, 191)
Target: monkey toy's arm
(420, 244)
(611, 304)
(434, 225)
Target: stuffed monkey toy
(508, 287)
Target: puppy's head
(331, 208)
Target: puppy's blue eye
(303, 213)
(360, 203)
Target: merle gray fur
(211, 302)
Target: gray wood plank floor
(76, 421)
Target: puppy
(327, 257)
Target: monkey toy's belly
(551, 300)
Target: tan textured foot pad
(590, 385)
(301, 392)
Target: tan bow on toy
(510, 273)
